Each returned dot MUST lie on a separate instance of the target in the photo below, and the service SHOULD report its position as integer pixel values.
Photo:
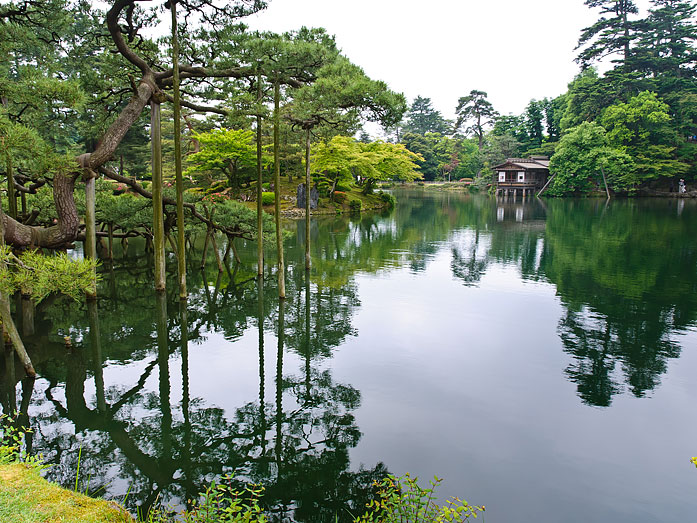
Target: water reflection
(131, 388)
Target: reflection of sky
(479, 397)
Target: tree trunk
(158, 224)
(277, 190)
(181, 251)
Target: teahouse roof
(525, 164)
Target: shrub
(387, 198)
(402, 499)
(355, 205)
(340, 197)
(268, 198)
(265, 186)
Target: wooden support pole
(607, 190)
(96, 346)
(11, 195)
(235, 254)
(110, 230)
(11, 329)
(181, 251)
(260, 223)
(158, 222)
(277, 188)
(205, 248)
(91, 231)
(307, 200)
(546, 184)
(214, 244)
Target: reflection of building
(520, 174)
(530, 214)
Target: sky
(514, 50)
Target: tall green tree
(422, 118)
(475, 111)
(613, 33)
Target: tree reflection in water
(623, 272)
(132, 437)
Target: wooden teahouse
(521, 175)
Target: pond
(539, 356)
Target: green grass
(25, 497)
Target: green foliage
(38, 275)
(581, 154)
(422, 118)
(268, 198)
(237, 218)
(230, 152)
(403, 500)
(219, 503)
(355, 205)
(476, 110)
(13, 443)
(641, 127)
(343, 158)
(389, 199)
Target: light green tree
(642, 128)
(227, 152)
(579, 158)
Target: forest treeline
(637, 121)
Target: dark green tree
(612, 33)
(422, 118)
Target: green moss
(25, 497)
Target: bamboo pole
(277, 188)
(91, 231)
(181, 257)
(260, 223)
(158, 225)
(307, 200)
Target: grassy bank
(25, 497)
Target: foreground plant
(403, 500)
(219, 503)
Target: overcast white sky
(514, 50)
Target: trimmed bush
(340, 197)
(267, 198)
(355, 205)
(387, 198)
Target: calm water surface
(539, 356)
